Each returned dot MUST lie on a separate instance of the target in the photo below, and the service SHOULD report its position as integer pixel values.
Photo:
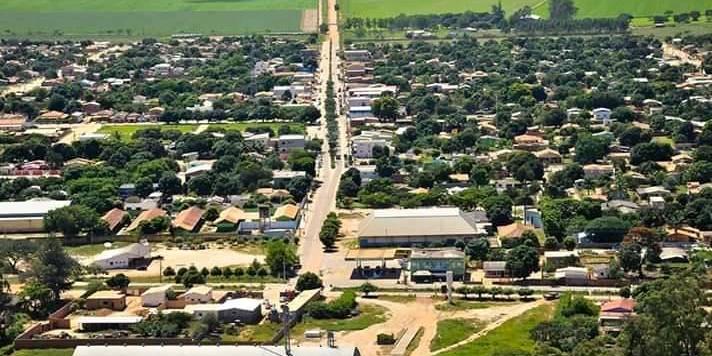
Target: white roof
(133, 249)
(195, 350)
(239, 304)
(416, 222)
(412, 213)
(159, 289)
(291, 137)
(9, 209)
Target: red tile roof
(147, 215)
(618, 306)
(113, 218)
(189, 218)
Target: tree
(12, 252)
(298, 187)
(119, 281)
(36, 298)
(562, 10)
(669, 314)
(499, 209)
(216, 272)
(650, 151)
(280, 257)
(73, 220)
(630, 258)
(169, 272)
(569, 243)
(590, 149)
(367, 288)
(192, 277)
(308, 281)
(386, 108)
(524, 166)
(522, 261)
(607, 229)
(478, 249)
(329, 230)
(170, 184)
(53, 267)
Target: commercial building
(427, 265)
(245, 310)
(288, 143)
(406, 227)
(27, 216)
(125, 257)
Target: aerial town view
(356, 177)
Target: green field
(587, 8)
(452, 331)
(513, 335)
(154, 18)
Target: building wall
(20, 225)
(113, 304)
(372, 241)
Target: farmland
(135, 19)
(587, 8)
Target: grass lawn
(513, 335)
(46, 352)
(674, 30)
(370, 315)
(460, 305)
(242, 126)
(139, 18)
(93, 249)
(452, 331)
(397, 298)
(637, 8)
(126, 131)
(253, 333)
(587, 8)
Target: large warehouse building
(26, 216)
(406, 227)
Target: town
(277, 194)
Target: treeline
(618, 24)
(561, 19)
(482, 20)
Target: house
(105, 299)
(495, 269)
(52, 117)
(356, 112)
(12, 122)
(529, 142)
(357, 55)
(126, 190)
(427, 265)
(405, 227)
(655, 191)
(657, 202)
(27, 216)
(286, 212)
(288, 143)
(513, 231)
(198, 295)
(622, 206)
(614, 314)
(367, 172)
(506, 184)
(560, 258)
(124, 257)
(548, 156)
(362, 145)
(213, 350)
(673, 255)
(155, 296)
(189, 219)
(602, 115)
(244, 310)
(114, 219)
(231, 215)
(573, 275)
(281, 178)
(597, 170)
(146, 215)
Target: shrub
(169, 271)
(339, 308)
(385, 339)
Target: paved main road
(324, 199)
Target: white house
(198, 295)
(360, 111)
(572, 274)
(155, 296)
(602, 115)
(123, 257)
(363, 144)
(288, 143)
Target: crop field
(155, 18)
(587, 8)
